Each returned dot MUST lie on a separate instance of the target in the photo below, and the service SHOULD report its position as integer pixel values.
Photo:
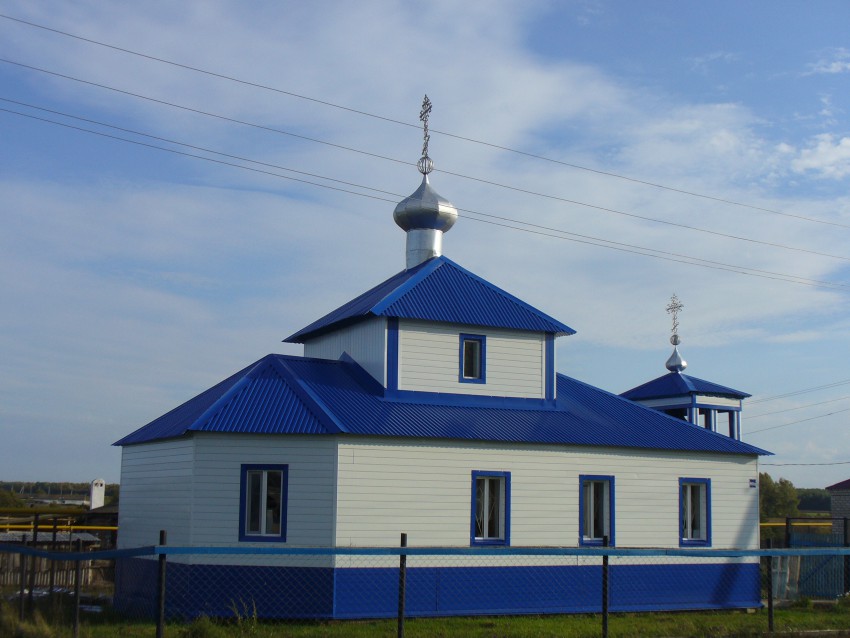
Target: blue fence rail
(181, 582)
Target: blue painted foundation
(299, 592)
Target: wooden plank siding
(156, 493)
(365, 342)
(393, 486)
(310, 497)
(191, 488)
(429, 360)
(365, 491)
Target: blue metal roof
(676, 384)
(260, 398)
(437, 290)
(295, 395)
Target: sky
(604, 155)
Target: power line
(629, 248)
(170, 141)
(796, 392)
(408, 124)
(806, 464)
(399, 161)
(785, 425)
(200, 157)
(750, 417)
(650, 219)
(206, 113)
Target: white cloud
(703, 63)
(128, 295)
(837, 61)
(826, 157)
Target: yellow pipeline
(823, 524)
(61, 528)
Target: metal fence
(182, 583)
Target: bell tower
(697, 402)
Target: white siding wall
(156, 493)
(720, 401)
(190, 487)
(365, 342)
(389, 487)
(429, 360)
(310, 504)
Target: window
(679, 413)
(263, 503)
(491, 497)
(596, 503)
(694, 511)
(472, 358)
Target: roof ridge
(509, 296)
(328, 319)
(698, 430)
(425, 270)
(691, 386)
(232, 380)
(228, 395)
(307, 396)
(456, 295)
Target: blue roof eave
(677, 384)
(296, 395)
(437, 290)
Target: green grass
(801, 618)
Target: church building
(432, 405)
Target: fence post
(402, 585)
(160, 616)
(770, 587)
(78, 577)
(605, 589)
(33, 564)
(52, 581)
(22, 574)
(846, 558)
(787, 532)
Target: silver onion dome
(424, 216)
(425, 209)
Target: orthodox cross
(674, 308)
(425, 163)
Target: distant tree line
(17, 493)
(777, 499)
(813, 500)
(780, 499)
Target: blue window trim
(243, 503)
(482, 339)
(694, 542)
(392, 353)
(549, 383)
(611, 527)
(506, 531)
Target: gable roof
(437, 290)
(283, 394)
(676, 384)
(842, 485)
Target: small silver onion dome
(676, 363)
